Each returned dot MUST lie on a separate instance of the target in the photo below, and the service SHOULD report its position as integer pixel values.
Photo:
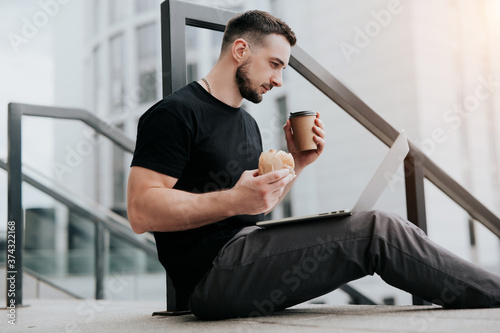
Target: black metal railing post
(415, 200)
(15, 219)
(100, 249)
(415, 192)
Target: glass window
(116, 72)
(146, 41)
(191, 37)
(97, 9)
(40, 248)
(81, 249)
(147, 80)
(116, 11)
(145, 5)
(147, 44)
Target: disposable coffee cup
(302, 126)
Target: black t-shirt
(205, 144)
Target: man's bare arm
(154, 205)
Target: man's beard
(244, 84)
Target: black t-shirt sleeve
(164, 137)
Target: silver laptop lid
(383, 175)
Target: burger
(276, 160)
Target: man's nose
(277, 80)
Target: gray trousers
(260, 271)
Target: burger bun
(276, 160)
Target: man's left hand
(306, 157)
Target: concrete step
(127, 316)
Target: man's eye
(275, 64)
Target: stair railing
(103, 219)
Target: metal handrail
(100, 126)
(39, 278)
(115, 223)
(102, 218)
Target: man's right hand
(254, 194)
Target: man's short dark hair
(254, 26)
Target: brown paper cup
(302, 126)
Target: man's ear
(240, 50)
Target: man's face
(263, 69)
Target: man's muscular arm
(154, 205)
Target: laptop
(372, 191)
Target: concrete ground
(121, 316)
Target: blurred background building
(429, 67)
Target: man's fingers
(319, 131)
(254, 172)
(275, 176)
(278, 183)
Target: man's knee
(385, 215)
(383, 218)
(385, 222)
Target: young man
(194, 183)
